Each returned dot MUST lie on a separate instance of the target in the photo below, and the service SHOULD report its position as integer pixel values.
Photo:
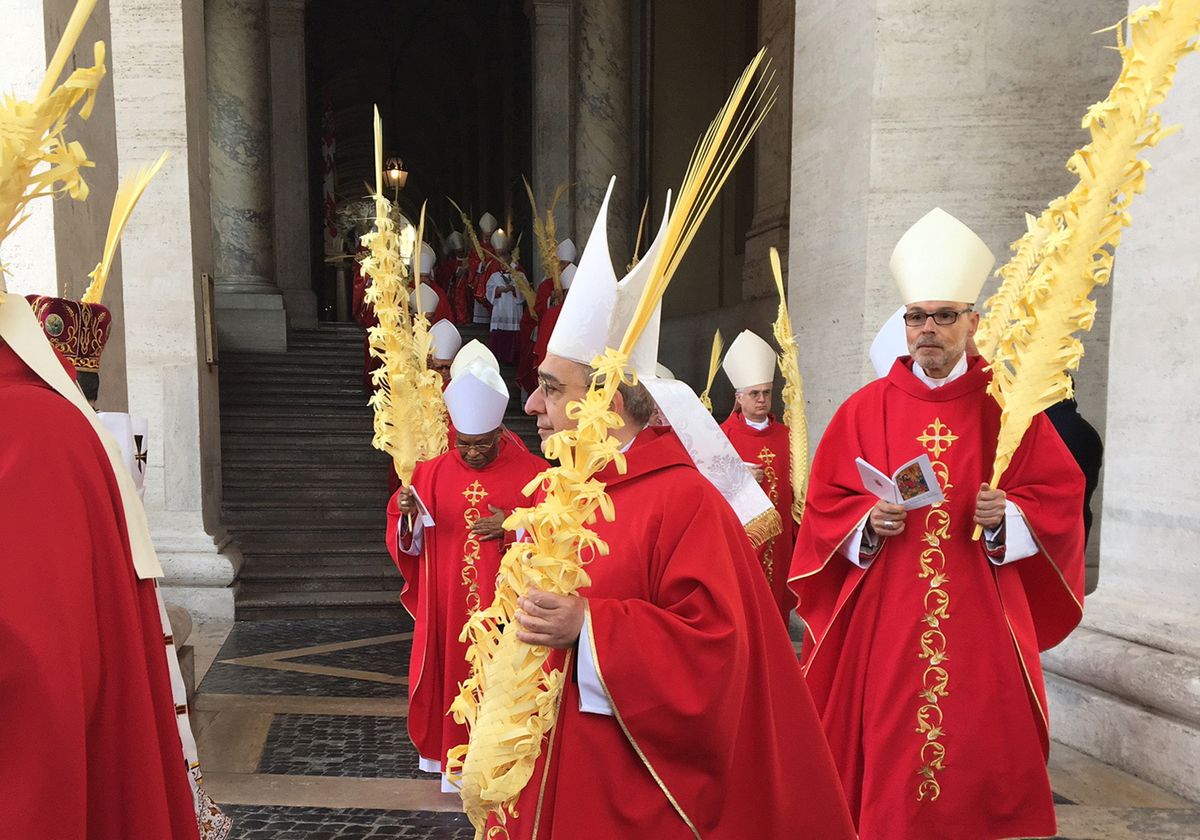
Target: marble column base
(198, 572)
(1119, 693)
(254, 322)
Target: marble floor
(301, 731)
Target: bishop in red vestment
(87, 727)
(684, 713)
(446, 535)
(763, 444)
(924, 654)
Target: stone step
(350, 477)
(371, 555)
(275, 515)
(268, 579)
(368, 498)
(261, 450)
(318, 547)
(294, 402)
(282, 605)
(286, 423)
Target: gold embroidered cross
(766, 456)
(475, 493)
(938, 434)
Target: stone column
(158, 77)
(773, 149)
(289, 162)
(604, 122)
(1126, 686)
(251, 311)
(552, 130)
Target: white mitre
(568, 275)
(940, 258)
(566, 251)
(445, 340)
(598, 311)
(423, 299)
(487, 224)
(499, 240)
(891, 342)
(662, 371)
(428, 259)
(473, 350)
(476, 399)
(749, 361)
(454, 241)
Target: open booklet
(422, 510)
(912, 486)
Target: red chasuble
(89, 747)
(715, 734)
(451, 577)
(770, 449)
(925, 666)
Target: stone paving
(302, 734)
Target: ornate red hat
(77, 330)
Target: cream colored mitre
(940, 258)
(476, 399)
(471, 351)
(423, 299)
(445, 340)
(749, 361)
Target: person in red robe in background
(945, 733)
(451, 275)
(427, 298)
(446, 534)
(536, 327)
(549, 305)
(482, 266)
(88, 733)
(763, 444)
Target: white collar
(930, 382)
(758, 426)
(625, 448)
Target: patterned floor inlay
(257, 822)
(387, 658)
(364, 746)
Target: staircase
(305, 494)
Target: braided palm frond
(794, 416)
(714, 364)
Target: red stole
(87, 729)
(716, 735)
(944, 733)
(771, 449)
(453, 575)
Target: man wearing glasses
(924, 656)
(762, 442)
(446, 534)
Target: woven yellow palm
(1077, 235)
(546, 232)
(128, 193)
(510, 701)
(406, 424)
(1001, 308)
(36, 159)
(714, 364)
(794, 416)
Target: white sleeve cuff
(410, 538)
(850, 547)
(1018, 541)
(591, 693)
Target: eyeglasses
(478, 447)
(943, 317)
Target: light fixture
(395, 173)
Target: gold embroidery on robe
(474, 494)
(767, 458)
(935, 680)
